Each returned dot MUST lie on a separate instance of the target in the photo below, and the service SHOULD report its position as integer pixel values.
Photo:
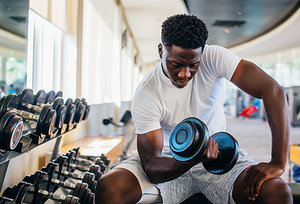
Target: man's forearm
(163, 168)
(278, 119)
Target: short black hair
(185, 31)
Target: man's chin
(180, 85)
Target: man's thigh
(150, 193)
(218, 188)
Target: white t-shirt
(157, 103)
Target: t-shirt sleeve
(145, 113)
(224, 62)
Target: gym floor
(253, 136)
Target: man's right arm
(160, 168)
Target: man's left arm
(254, 81)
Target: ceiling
(241, 20)
(145, 18)
(233, 22)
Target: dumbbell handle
(37, 109)
(71, 175)
(26, 115)
(59, 198)
(62, 184)
(79, 167)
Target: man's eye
(176, 65)
(193, 65)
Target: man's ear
(160, 50)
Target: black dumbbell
(40, 177)
(95, 159)
(30, 193)
(42, 97)
(59, 94)
(68, 161)
(71, 110)
(88, 178)
(189, 140)
(11, 129)
(39, 102)
(75, 159)
(45, 120)
(65, 160)
(79, 112)
(102, 157)
(87, 109)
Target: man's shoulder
(213, 48)
(149, 81)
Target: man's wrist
(280, 163)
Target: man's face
(179, 65)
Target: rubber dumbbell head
(227, 156)
(188, 141)
(45, 121)
(11, 129)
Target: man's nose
(184, 73)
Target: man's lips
(182, 82)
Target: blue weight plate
(182, 137)
(189, 139)
(227, 156)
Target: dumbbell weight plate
(95, 169)
(59, 94)
(60, 116)
(68, 102)
(86, 196)
(93, 186)
(49, 122)
(80, 109)
(2, 112)
(40, 98)
(87, 112)
(21, 196)
(50, 97)
(10, 102)
(70, 114)
(40, 124)
(76, 102)
(71, 200)
(79, 191)
(188, 139)
(26, 97)
(88, 178)
(227, 156)
(57, 102)
(91, 199)
(11, 128)
(67, 199)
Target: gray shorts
(216, 188)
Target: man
(189, 82)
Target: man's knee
(276, 191)
(118, 186)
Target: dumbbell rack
(9, 155)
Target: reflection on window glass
(13, 75)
